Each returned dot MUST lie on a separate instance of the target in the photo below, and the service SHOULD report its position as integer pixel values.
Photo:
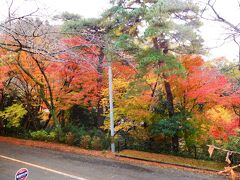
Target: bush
(42, 135)
(85, 141)
(77, 132)
(106, 141)
(70, 138)
(96, 143)
(39, 135)
(13, 115)
(52, 136)
(95, 132)
(16, 132)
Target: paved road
(53, 165)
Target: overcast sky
(211, 32)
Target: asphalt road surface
(53, 165)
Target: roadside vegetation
(167, 98)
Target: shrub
(85, 141)
(13, 115)
(70, 138)
(60, 136)
(95, 132)
(76, 131)
(70, 128)
(106, 141)
(52, 136)
(96, 143)
(16, 132)
(42, 135)
(39, 135)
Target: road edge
(100, 154)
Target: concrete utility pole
(111, 102)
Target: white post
(111, 103)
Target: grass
(175, 160)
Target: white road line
(43, 168)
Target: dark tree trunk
(169, 97)
(100, 118)
(1, 100)
(175, 143)
(164, 47)
(170, 105)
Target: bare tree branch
(222, 19)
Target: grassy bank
(174, 160)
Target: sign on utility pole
(111, 102)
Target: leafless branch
(220, 18)
(21, 17)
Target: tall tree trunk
(100, 118)
(170, 106)
(168, 90)
(169, 94)
(1, 100)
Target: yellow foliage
(218, 113)
(118, 31)
(128, 111)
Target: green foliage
(13, 115)
(173, 21)
(177, 124)
(73, 131)
(39, 135)
(69, 127)
(66, 16)
(233, 144)
(75, 23)
(167, 64)
(19, 132)
(79, 136)
(149, 56)
(52, 136)
(82, 117)
(151, 34)
(43, 135)
(122, 42)
(106, 141)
